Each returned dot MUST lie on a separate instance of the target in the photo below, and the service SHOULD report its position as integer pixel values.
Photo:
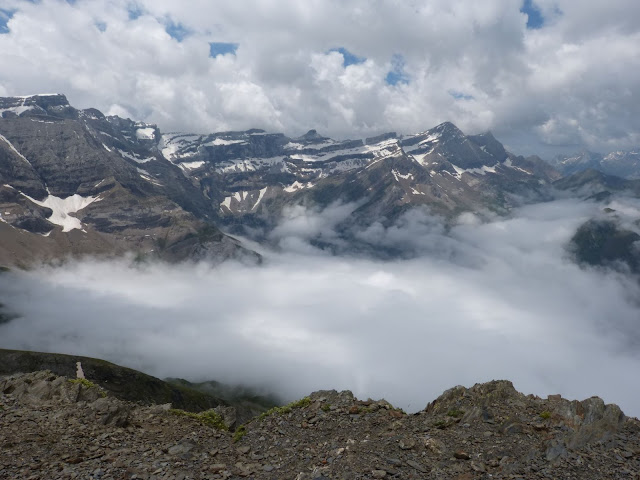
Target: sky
(546, 76)
(496, 300)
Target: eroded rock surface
(54, 428)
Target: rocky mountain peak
(33, 104)
(447, 128)
(311, 135)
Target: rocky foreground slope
(56, 428)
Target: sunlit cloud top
(543, 75)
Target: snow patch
(260, 195)
(248, 164)
(147, 176)
(226, 203)
(37, 95)
(509, 163)
(17, 110)
(221, 141)
(398, 175)
(135, 157)
(14, 149)
(480, 171)
(146, 133)
(63, 207)
(431, 139)
(191, 165)
(297, 186)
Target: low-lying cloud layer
(489, 301)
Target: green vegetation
(455, 413)
(303, 402)
(440, 424)
(545, 415)
(239, 433)
(87, 384)
(235, 395)
(208, 417)
(84, 382)
(326, 407)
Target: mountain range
(75, 182)
(624, 164)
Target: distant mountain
(251, 177)
(76, 181)
(596, 185)
(612, 238)
(620, 163)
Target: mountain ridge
(77, 182)
(61, 426)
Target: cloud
(514, 307)
(566, 84)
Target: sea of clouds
(479, 301)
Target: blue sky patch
(397, 75)
(176, 31)
(222, 48)
(460, 96)
(535, 19)
(135, 11)
(5, 16)
(349, 58)
(102, 26)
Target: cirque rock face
(74, 181)
(251, 176)
(57, 428)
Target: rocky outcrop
(606, 243)
(56, 428)
(121, 382)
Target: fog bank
(486, 301)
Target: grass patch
(326, 407)
(239, 433)
(87, 384)
(303, 402)
(208, 417)
(546, 415)
(455, 413)
(440, 424)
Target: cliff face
(52, 427)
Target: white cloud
(497, 300)
(565, 85)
